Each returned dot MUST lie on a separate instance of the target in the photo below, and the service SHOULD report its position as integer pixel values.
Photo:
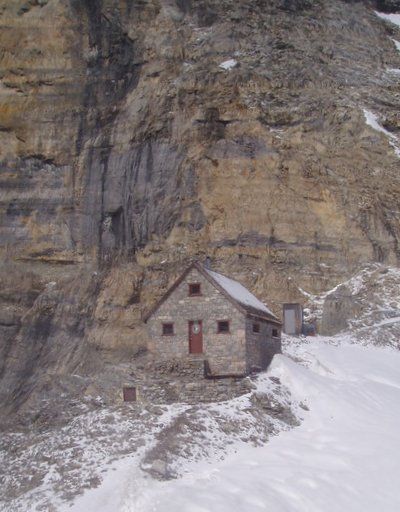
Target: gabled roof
(235, 292)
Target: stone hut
(208, 317)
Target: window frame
(218, 327)
(129, 394)
(275, 331)
(164, 324)
(191, 293)
(258, 330)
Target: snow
(387, 321)
(397, 44)
(372, 120)
(238, 292)
(113, 491)
(369, 116)
(393, 18)
(344, 456)
(376, 291)
(228, 64)
(355, 284)
(343, 392)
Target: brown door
(129, 394)
(195, 337)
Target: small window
(129, 394)
(275, 333)
(168, 329)
(256, 328)
(223, 326)
(194, 289)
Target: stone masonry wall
(183, 380)
(261, 347)
(205, 390)
(225, 353)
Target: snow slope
(343, 457)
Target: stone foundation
(186, 381)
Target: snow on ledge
(372, 121)
(397, 44)
(393, 18)
(228, 64)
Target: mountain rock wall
(127, 150)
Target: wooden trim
(190, 294)
(225, 376)
(265, 319)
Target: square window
(194, 289)
(275, 333)
(168, 329)
(129, 394)
(256, 328)
(223, 326)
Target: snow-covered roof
(239, 293)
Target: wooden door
(195, 337)
(129, 394)
(290, 321)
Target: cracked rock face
(126, 150)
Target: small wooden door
(129, 393)
(195, 337)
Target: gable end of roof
(243, 308)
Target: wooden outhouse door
(129, 393)
(195, 337)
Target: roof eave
(246, 310)
(243, 308)
(262, 316)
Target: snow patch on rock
(397, 44)
(228, 64)
(372, 121)
(392, 18)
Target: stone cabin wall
(261, 347)
(225, 353)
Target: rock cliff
(138, 135)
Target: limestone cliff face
(127, 150)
